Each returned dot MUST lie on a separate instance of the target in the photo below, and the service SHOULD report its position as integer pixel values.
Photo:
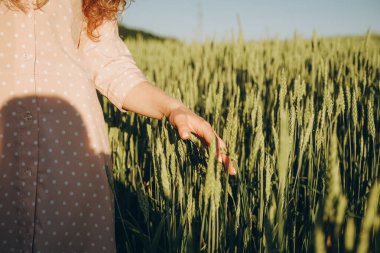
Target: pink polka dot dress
(55, 165)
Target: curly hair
(95, 11)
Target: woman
(54, 55)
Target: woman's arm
(116, 75)
(148, 100)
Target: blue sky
(218, 19)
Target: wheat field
(301, 119)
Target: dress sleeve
(110, 63)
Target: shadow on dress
(55, 194)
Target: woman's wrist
(171, 105)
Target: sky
(197, 20)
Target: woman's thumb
(184, 133)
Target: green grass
(301, 120)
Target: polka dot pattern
(55, 195)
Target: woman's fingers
(188, 122)
(184, 132)
(205, 132)
(223, 156)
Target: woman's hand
(188, 122)
(150, 101)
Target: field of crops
(301, 119)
